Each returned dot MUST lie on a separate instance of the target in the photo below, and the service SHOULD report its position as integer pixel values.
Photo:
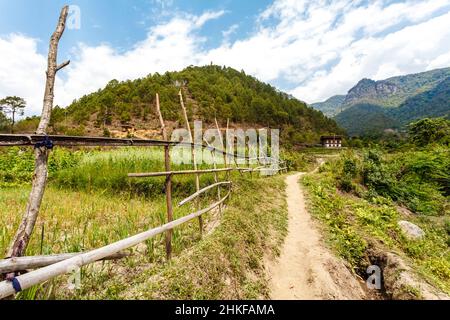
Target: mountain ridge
(402, 99)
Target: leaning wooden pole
(227, 142)
(216, 176)
(223, 147)
(194, 160)
(42, 150)
(168, 186)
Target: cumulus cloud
(322, 48)
(314, 48)
(412, 49)
(22, 69)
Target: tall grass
(91, 202)
(108, 170)
(78, 221)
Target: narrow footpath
(306, 269)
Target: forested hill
(209, 91)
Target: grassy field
(90, 202)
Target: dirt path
(306, 269)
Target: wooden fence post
(216, 178)
(225, 160)
(41, 151)
(197, 177)
(168, 185)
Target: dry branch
(62, 65)
(23, 234)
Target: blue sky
(122, 23)
(311, 49)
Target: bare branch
(62, 65)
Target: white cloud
(210, 15)
(231, 30)
(406, 51)
(325, 48)
(319, 48)
(441, 61)
(22, 70)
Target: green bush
(17, 164)
(426, 131)
(350, 168)
(345, 184)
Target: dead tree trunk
(168, 181)
(197, 177)
(41, 152)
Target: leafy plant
(426, 131)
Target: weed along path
(306, 269)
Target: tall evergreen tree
(13, 106)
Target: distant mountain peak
(402, 98)
(368, 90)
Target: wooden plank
(35, 262)
(181, 172)
(201, 191)
(40, 275)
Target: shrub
(426, 131)
(350, 168)
(346, 184)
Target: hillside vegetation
(363, 195)
(209, 92)
(365, 119)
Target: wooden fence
(54, 265)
